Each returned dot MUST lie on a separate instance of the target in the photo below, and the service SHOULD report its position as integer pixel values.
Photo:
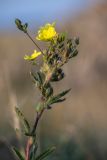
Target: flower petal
(47, 32)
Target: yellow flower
(47, 32)
(32, 56)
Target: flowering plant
(59, 51)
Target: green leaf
(61, 45)
(23, 120)
(74, 53)
(57, 98)
(18, 153)
(61, 37)
(63, 93)
(47, 90)
(45, 154)
(60, 100)
(39, 78)
(57, 101)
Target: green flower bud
(19, 24)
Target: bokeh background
(78, 127)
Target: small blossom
(32, 56)
(47, 32)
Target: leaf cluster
(20, 26)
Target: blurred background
(79, 125)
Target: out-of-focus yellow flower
(47, 32)
(32, 56)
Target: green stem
(34, 42)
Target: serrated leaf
(19, 155)
(23, 120)
(45, 154)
